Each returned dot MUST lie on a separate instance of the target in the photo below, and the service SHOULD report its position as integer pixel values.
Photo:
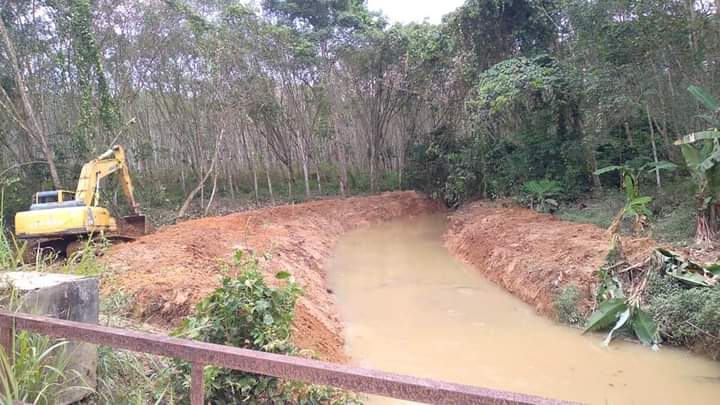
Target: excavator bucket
(134, 225)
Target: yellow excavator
(60, 220)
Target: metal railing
(277, 365)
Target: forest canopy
(295, 98)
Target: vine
(90, 68)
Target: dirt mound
(534, 255)
(169, 271)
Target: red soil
(171, 270)
(534, 255)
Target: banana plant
(540, 192)
(636, 206)
(701, 151)
(617, 312)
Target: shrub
(245, 312)
(686, 316)
(566, 305)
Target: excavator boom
(113, 160)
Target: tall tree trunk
(654, 149)
(318, 177)
(266, 162)
(201, 183)
(212, 195)
(29, 122)
(373, 183)
(305, 174)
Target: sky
(405, 11)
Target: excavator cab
(43, 200)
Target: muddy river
(410, 307)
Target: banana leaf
(698, 136)
(622, 320)
(607, 169)
(644, 327)
(692, 155)
(710, 161)
(705, 98)
(606, 315)
(691, 278)
(661, 165)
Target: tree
(24, 115)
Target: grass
(673, 219)
(597, 210)
(128, 378)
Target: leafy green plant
(636, 206)
(701, 151)
(616, 312)
(245, 312)
(540, 192)
(38, 371)
(11, 253)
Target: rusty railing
(287, 367)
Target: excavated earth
(168, 272)
(534, 255)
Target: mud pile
(166, 273)
(534, 255)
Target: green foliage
(445, 167)
(566, 305)
(686, 316)
(11, 252)
(38, 372)
(540, 192)
(127, 377)
(636, 206)
(618, 314)
(597, 210)
(492, 30)
(245, 312)
(676, 222)
(522, 111)
(701, 151)
(85, 261)
(90, 69)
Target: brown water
(410, 307)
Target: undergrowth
(566, 305)
(245, 312)
(686, 316)
(673, 214)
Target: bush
(686, 316)
(566, 305)
(245, 312)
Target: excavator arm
(113, 160)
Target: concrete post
(61, 296)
